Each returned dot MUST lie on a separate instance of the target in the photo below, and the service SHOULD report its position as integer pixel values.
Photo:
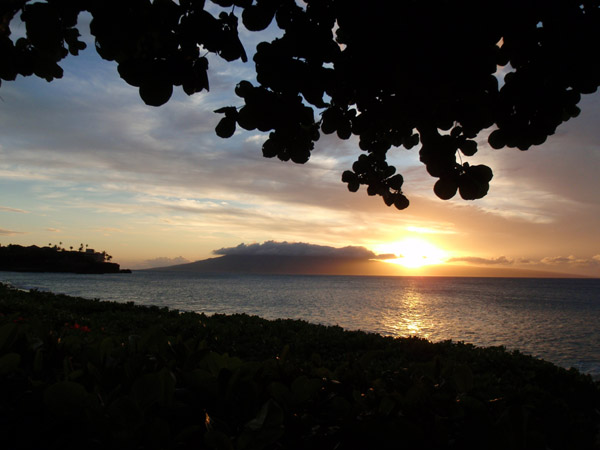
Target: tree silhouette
(393, 74)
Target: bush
(91, 374)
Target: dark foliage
(394, 74)
(77, 373)
(17, 258)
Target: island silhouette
(331, 265)
(17, 258)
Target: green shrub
(91, 374)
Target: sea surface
(554, 319)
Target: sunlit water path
(555, 319)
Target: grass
(94, 374)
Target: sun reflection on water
(408, 316)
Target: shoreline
(577, 353)
(298, 382)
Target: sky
(84, 160)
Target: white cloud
(4, 232)
(14, 210)
(87, 147)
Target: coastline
(16, 258)
(256, 381)
(515, 313)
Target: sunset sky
(83, 160)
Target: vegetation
(78, 373)
(17, 258)
(393, 74)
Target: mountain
(331, 265)
(283, 264)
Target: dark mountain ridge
(332, 265)
(286, 265)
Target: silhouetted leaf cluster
(393, 74)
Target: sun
(413, 253)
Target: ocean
(554, 319)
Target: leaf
(349, 177)
(389, 198)
(9, 363)
(330, 120)
(218, 440)
(265, 429)
(468, 147)
(147, 390)
(279, 392)
(463, 377)
(133, 71)
(270, 415)
(353, 186)
(225, 128)
(470, 188)
(257, 17)
(497, 139)
(8, 333)
(304, 389)
(270, 148)
(344, 130)
(65, 398)
(401, 202)
(156, 93)
(386, 406)
(126, 412)
(445, 188)
(396, 182)
(227, 110)
(243, 89)
(481, 172)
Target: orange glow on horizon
(413, 253)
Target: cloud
(15, 210)
(297, 249)
(86, 146)
(162, 261)
(523, 260)
(53, 230)
(387, 256)
(484, 261)
(4, 232)
(553, 260)
(571, 260)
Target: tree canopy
(396, 74)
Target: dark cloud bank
(272, 248)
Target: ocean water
(554, 319)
